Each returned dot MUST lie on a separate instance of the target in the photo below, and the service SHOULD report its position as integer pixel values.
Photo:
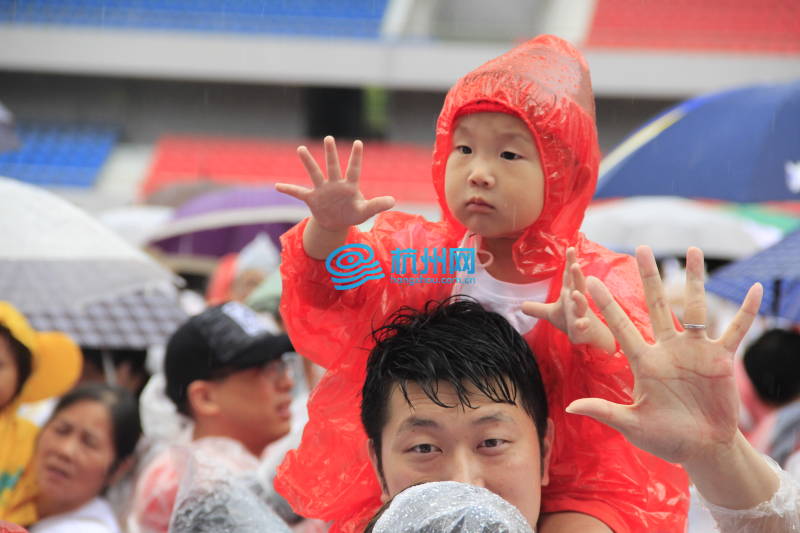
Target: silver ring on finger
(694, 326)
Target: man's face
(255, 404)
(494, 446)
(494, 183)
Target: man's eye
(464, 149)
(492, 443)
(510, 155)
(423, 448)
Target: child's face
(9, 374)
(494, 183)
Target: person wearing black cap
(228, 373)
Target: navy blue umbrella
(776, 267)
(741, 145)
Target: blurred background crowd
(139, 145)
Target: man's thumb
(619, 417)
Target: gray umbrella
(130, 321)
(55, 256)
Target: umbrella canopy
(669, 225)
(56, 256)
(222, 222)
(777, 268)
(135, 223)
(741, 145)
(130, 321)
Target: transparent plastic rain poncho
(780, 514)
(450, 507)
(594, 470)
(220, 491)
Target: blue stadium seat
(325, 18)
(59, 154)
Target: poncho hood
(545, 82)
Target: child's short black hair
(773, 365)
(455, 341)
(22, 358)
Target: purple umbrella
(225, 221)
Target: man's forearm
(737, 478)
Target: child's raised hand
(685, 404)
(336, 203)
(571, 313)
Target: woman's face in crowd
(8, 373)
(74, 454)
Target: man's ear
(547, 443)
(201, 396)
(373, 459)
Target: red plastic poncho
(593, 468)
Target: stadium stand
(343, 18)
(397, 169)
(766, 26)
(58, 154)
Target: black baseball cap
(230, 336)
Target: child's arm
(571, 313)
(336, 203)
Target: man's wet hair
(454, 341)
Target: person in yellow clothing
(33, 366)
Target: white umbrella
(55, 256)
(670, 225)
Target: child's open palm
(336, 203)
(571, 313)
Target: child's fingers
(332, 165)
(378, 205)
(537, 309)
(312, 169)
(301, 193)
(744, 319)
(566, 278)
(581, 303)
(582, 324)
(354, 164)
(578, 279)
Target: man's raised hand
(685, 405)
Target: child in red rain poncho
(521, 204)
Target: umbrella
(177, 194)
(777, 268)
(670, 225)
(222, 222)
(129, 321)
(135, 223)
(56, 256)
(741, 145)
